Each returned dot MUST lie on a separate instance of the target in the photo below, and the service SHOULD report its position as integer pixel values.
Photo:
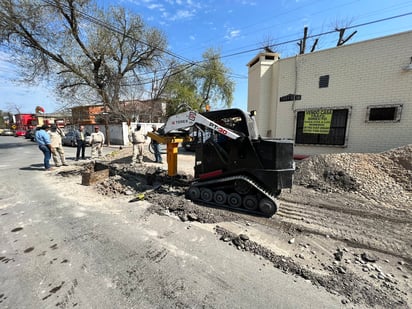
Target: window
(324, 81)
(331, 129)
(384, 113)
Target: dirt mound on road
(383, 177)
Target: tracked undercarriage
(239, 192)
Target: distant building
(130, 110)
(351, 98)
(87, 114)
(146, 111)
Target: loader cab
(198, 136)
(215, 151)
(236, 120)
(233, 119)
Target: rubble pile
(383, 177)
(126, 179)
(114, 185)
(164, 201)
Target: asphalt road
(63, 246)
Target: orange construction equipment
(172, 143)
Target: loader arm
(191, 118)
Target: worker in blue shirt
(43, 140)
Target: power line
(288, 12)
(113, 29)
(198, 63)
(312, 36)
(285, 13)
(317, 35)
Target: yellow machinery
(172, 143)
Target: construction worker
(156, 147)
(81, 143)
(96, 141)
(57, 147)
(137, 139)
(43, 140)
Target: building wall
(119, 132)
(136, 110)
(361, 74)
(86, 114)
(260, 92)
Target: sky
(238, 29)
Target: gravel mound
(382, 177)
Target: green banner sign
(317, 121)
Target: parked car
(70, 139)
(7, 132)
(19, 132)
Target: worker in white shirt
(96, 141)
(57, 147)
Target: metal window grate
(324, 81)
(384, 113)
(337, 133)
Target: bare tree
(14, 108)
(341, 26)
(149, 93)
(341, 40)
(302, 43)
(79, 48)
(268, 44)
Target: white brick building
(352, 98)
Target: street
(63, 245)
